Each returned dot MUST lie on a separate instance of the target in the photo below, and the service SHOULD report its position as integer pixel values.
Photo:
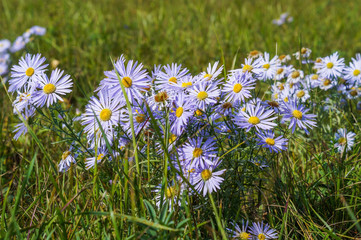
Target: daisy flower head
(204, 95)
(237, 88)
(284, 58)
(198, 152)
(268, 140)
(344, 140)
(166, 79)
(282, 72)
(131, 75)
(261, 231)
(304, 53)
(52, 88)
(206, 180)
(182, 111)
(172, 194)
(67, 159)
(19, 44)
(330, 66)
(326, 83)
(90, 161)
(37, 30)
(295, 76)
(186, 83)
(301, 94)
(212, 72)
(240, 232)
(23, 101)
(4, 45)
(106, 110)
(159, 100)
(254, 54)
(298, 116)
(353, 92)
(4, 69)
(269, 67)
(352, 73)
(313, 80)
(26, 73)
(4, 58)
(250, 65)
(255, 116)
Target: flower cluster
(6, 47)
(258, 231)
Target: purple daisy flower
(267, 139)
(255, 116)
(297, 115)
(206, 180)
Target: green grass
(311, 192)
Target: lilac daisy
(263, 231)
(344, 140)
(255, 116)
(297, 115)
(52, 88)
(183, 110)
(238, 87)
(26, 73)
(330, 66)
(204, 94)
(206, 180)
(267, 139)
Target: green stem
(224, 236)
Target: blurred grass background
(83, 34)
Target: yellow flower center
(237, 88)
(199, 112)
(353, 93)
(342, 140)
(127, 82)
(105, 114)
(179, 112)
(170, 193)
(314, 77)
(318, 60)
(172, 138)
(173, 80)
(261, 236)
(329, 65)
(267, 66)
(356, 72)
(208, 76)
(29, 72)
(273, 103)
(100, 156)
(286, 99)
(254, 53)
(244, 236)
(186, 84)
(297, 114)
(197, 152)
(206, 174)
(161, 97)
(65, 155)
(281, 57)
(247, 68)
(326, 82)
(140, 118)
(243, 109)
(300, 94)
(295, 74)
(291, 85)
(276, 95)
(270, 141)
(202, 95)
(281, 86)
(253, 120)
(49, 88)
(303, 50)
(279, 71)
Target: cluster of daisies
(171, 101)
(258, 231)
(6, 47)
(283, 19)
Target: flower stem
(224, 236)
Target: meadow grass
(312, 192)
